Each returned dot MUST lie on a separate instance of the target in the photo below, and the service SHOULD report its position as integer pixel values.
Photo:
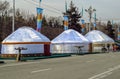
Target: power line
(49, 6)
(107, 19)
(44, 7)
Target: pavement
(90, 66)
(38, 57)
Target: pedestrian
(104, 49)
(108, 47)
(114, 47)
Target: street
(92, 66)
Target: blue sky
(106, 9)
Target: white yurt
(35, 43)
(98, 39)
(70, 41)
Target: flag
(83, 21)
(39, 18)
(65, 22)
(94, 24)
(83, 25)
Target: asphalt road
(93, 66)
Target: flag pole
(65, 5)
(82, 11)
(40, 3)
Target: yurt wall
(69, 48)
(70, 41)
(99, 40)
(31, 48)
(97, 47)
(35, 43)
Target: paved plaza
(91, 66)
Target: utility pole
(90, 11)
(95, 23)
(13, 21)
(118, 33)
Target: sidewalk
(12, 60)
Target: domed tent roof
(98, 37)
(26, 34)
(70, 36)
(27, 38)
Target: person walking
(114, 47)
(108, 47)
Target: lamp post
(13, 21)
(90, 11)
(18, 58)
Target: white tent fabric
(70, 36)
(68, 41)
(96, 36)
(24, 34)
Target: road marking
(41, 70)
(106, 73)
(101, 75)
(17, 64)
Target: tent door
(47, 50)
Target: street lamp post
(13, 21)
(19, 53)
(90, 10)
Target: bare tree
(4, 6)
